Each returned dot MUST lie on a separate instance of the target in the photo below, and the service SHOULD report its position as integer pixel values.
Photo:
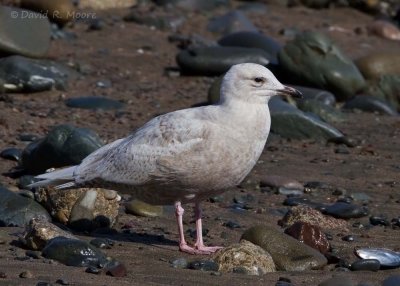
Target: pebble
(348, 238)
(94, 102)
(290, 122)
(140, 208)
(22, 74)
(327, 67)
(384, 29)
(64, 145)
(27, 36)
(251, 258)
(203, 265)
(16, 210)
(62, 281)
(93, 270)
(212, 61)
(377, 64)
(320, 95)
(231, 224)
(250, 39)
(233, 21)
(346, 211)
(12, 153)
(370, 103)
(116, 269)
(326, 112)
(74, 252)
(275, 181)
(288, 253)
(379, 220)
(310, 235)
(26, 274)
(365, 265)
(194, 5)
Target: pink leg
(199, 231)
(183, 246)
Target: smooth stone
(370, 104)
(203, 265)
(365, 265)
(25, 181)
(16, 210)
(116, 269)
(327, 67)
(377, 64)
(386, 257)
(106, 4)
(74, 252)
(22, 74)
(60, 11)
(322, 96)
(392, 280)
(301, 201)
(211, 61)
(64, 145)
(309, 234)
(290, 122)
(386, 88)
(348, 238)
(194, 5)
(251, 258)
(233, 21)
(384, 29)
(379, 220)
(275, 181)
(253, 40)
(288, 253)
(337, 281)
(82, 209)
(38, 232)
(12, 153)
(326, 112)
(94, 102)
(23, 35)
(140, 208)
(346, 211)
(309, 215)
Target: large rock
(211, 61)
(370, 104)
(312, 59)
(378, 64)
(288, 253)
(23, 32)
(83, 208)
(64, 145)
(326, 112)
(245, 257)
(290, 122)
(248, 39)
(387, 88)
(16, 210)
(22, 74)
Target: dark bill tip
(291, 91)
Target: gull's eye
(259, 80)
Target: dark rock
(16, 210)
(31, 75)
(73, 252)
(25, 181)
(317, 4)
(23, 35)
(348, 238)
(370, 104)
(387, 88)
(253, 40)
(12, 153)
(346, 211)
(309, 93)
(290, 122)
(288, 253)
(231, 224)
(94, 102)
(203, 265)
(64, 145)
(296, 201)
(234, 21)
(327, 67)
(93, 270)
(366, 264)
(210, 61)
(62, 281)
(310, 235)
(326, 112)
(379, 220)
(26, 274)
(25, 137)
(103, 243)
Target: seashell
(386, 257)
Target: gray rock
(327, 113)
(345, 210)
(64, 145)
(320, 95)
(366, 265)
(21, 74)
(288, 253)
(234, 21)
(370, 104)
(94, 102)
(387, 88)
(16, 210)
(248, 39)
(378, 64)
(23, 35)
(74, 252)
(327, 67)
(211, 61)
(290, 122)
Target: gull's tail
(60, 179)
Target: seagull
(189, 155)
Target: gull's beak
(290, 91)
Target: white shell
(386, 257)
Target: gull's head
(252, 83)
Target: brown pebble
(26, 274)
(3, 275)
(384, 30)
(118, 270)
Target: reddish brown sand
(139, 80)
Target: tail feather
(63, 178)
